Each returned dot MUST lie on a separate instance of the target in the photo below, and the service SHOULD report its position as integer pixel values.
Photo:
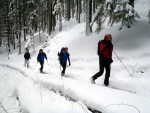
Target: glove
(98, 53)
(111, 61)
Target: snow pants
(103, 64)
(42, 65)
(26, 63)
(64, 67)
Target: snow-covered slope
(27, 91)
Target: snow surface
(25, 90)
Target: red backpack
(105, 49)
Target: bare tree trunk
(7, 24)
(24, 30)
(84, 9)
(79, 6)
(42, 21)
(19, 27)
(90, 13)
(94, 6)
(77, 9)
(53, 20)
(60, 20)
(88, 31)
(16, 23)
(39, 32)
(63, 11)
(69, 11)
(131, 2)
(14, 38)
(49, 17)
(73, 9)
(59, 16)
(0, 37)
(149, 15)
(24, 21)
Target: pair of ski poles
(37, 64)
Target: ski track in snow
(56, 91)
(23, 73)
(60, 89)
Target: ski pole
(122, 63)
(35, 65)
(48, 64)
(60, 68)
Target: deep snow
(31, 92)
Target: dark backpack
(99, 50)
(61, 54)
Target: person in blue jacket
(63, 57)
(40, 58)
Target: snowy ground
(27, 91)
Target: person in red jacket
(105, 48)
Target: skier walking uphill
(105, 48)
(63, 57)
(27, 57)
(40, 58)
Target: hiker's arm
(98, 48)
(45, 56)
(29, 56)
(69, 59)
(38, 58)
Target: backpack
(99, 49)
(105, 49)
(61, 54)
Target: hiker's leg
(27, 63)
(98, 74)
(107, 75)
(64, 68)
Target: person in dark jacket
(40, 58)
(105, 48)
(27, 57)
(63, 57)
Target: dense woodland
(19, 18)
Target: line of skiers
(63, 57)
(40, 58)
(105, 48)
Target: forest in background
(20, 18)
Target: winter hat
(66, 48)
(27, 49)
(41, 50)
(108, 36)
